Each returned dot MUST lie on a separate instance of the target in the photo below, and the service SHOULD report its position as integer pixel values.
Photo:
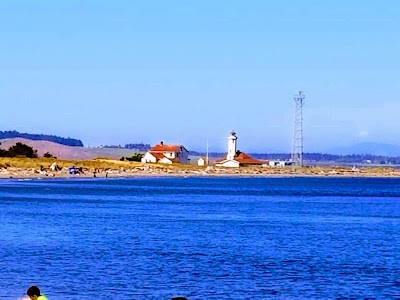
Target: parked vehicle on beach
(73, 171)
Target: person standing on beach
(34, 293)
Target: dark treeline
(135, 157)
(317, 157)
(19, 150)
(325, 157)
(41, 137)
(137, 146)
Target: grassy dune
(68, 152)
(35, 163)
(99, 163)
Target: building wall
(228, 164)
(278, 164)
(170, 154)
(148, 158)
(165, 160)
(201, 162)
(183, 155)
(231, 147)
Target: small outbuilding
(279, 163)
(201, 162)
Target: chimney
(161, 143)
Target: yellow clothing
(43, 297)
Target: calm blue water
(204, 238)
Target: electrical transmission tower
(297, 151)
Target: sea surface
(203, 238)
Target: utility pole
(207, 153)
(297, 150)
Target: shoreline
(23, 168)
(126, 175)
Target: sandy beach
(104, 168)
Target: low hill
(369, 148)
(41, 137)
(67, 152)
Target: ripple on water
(205, 238)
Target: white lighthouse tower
(231, 146)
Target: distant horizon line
(340, 151)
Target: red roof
(244, 159)
(165, 148)
(157, 155)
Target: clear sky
(113, 72)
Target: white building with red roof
(236, 158)
(167, 154)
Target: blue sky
(113, 72)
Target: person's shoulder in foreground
(34, 293)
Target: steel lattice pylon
(297, 150)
